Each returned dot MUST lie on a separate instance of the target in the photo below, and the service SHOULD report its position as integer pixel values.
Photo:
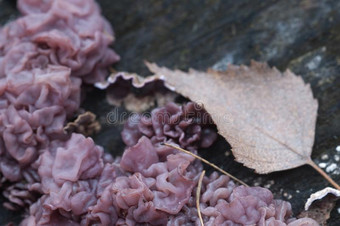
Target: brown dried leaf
(85, 124)
(267, 116)
(320, 204)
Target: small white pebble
(269, 184)
(297, 191)
(324, 157)
(314, 63)
(337, 148)
(337, 158)
(287, 195)
(322, 165)
(338, 210)
(336, 172)
(331, 167)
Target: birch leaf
(267, 116)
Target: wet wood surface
(303, 36)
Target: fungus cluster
(66, 179)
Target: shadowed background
(303, 36)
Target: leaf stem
(325, 175)
(207, 162)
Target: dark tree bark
(303, 36)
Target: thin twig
(207, 162)
(198, 194)
(112, 70)
(325, 175)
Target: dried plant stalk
(198, 195)
(207, 162)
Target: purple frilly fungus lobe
(120, 84)
(150, 184)
(189, 125)
(69, 33)
(44, 58)
(45, 55)
(34, 107)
